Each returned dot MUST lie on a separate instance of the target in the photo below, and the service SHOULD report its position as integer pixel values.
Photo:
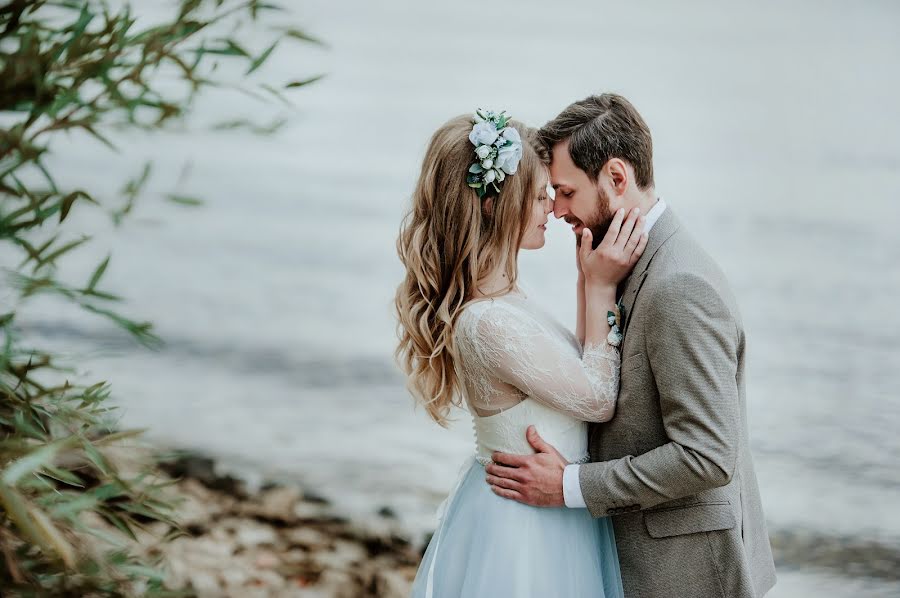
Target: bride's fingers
(613, 233)
(639, 250)
(586, 242)
(635, 237)
(627, 228)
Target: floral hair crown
(498, 149)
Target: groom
(673, 468)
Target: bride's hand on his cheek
(618, 252)
(578, 257)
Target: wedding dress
(520, 367)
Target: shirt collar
(655, 212)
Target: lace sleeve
(523, 353)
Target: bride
(469, 334)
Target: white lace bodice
(519, 366)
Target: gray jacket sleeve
(692, 349)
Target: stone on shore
(277, 542)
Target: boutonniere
(615, 319)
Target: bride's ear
(487, 207)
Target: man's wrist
(572, 495)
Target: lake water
(777, 136)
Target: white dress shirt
(571, 486)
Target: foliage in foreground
(66, 67)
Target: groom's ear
(618, 173)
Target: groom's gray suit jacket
(673, 467)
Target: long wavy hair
(450, 241)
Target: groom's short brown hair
(599, 128)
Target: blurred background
(777, 137)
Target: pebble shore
(274, 542)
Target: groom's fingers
(501, 471)
(507, 493)
(504, 483)
(510, 460)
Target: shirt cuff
(572, 487)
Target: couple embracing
(612, 461)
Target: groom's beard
(602, 218)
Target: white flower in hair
(511, 134)
(508, 157)
(484, 133)
(498, 148)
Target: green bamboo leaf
(61, 475)
(102, 295)
(256, 6)
(111, 539)
(303, 36)
(262, 58)
(121, 524)
(184, 200)
(121, 435)
(17, 510)
(46, 174)
(187, 7)
(52, 538)
(137, 509)
(134, 186)
(33, 461)
(231, 48)
(104, 140)
(95, 277)
(77, 30)
(69, 199)
(33, 254)
(96, 458)
(72, 507)
(304, 82)
(49, 259)
(143, 571)
(278, 95)
(106, 491)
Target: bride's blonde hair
(449, 242)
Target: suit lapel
(664, 228)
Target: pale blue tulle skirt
(488, 546)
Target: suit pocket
(633, 362)
(692, 519)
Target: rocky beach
(276, 540)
